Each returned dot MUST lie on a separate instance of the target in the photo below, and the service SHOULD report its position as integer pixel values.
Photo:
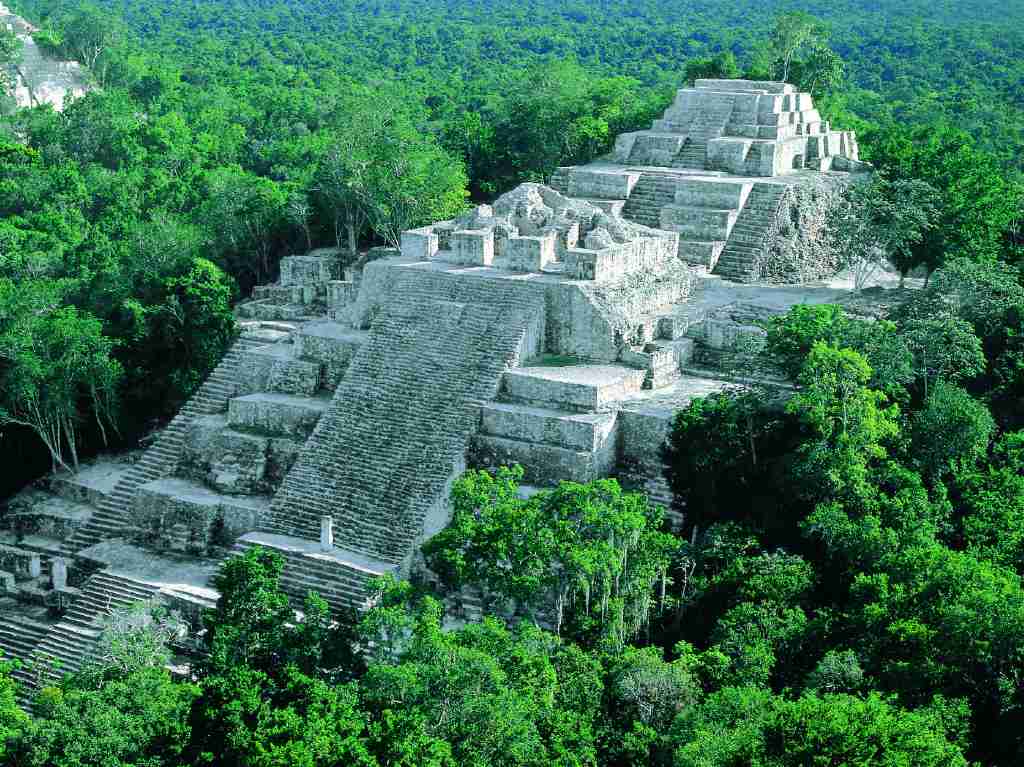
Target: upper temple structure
(559, 328)
(742, 127)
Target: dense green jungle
(848, 586)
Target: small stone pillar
(35, 566)
(326, 533)
(59, 573)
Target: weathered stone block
(605, 185)
(24, 564)
(187, 516)
(576, 388)
(277, 368)
(314, 269)
(331, 346)
(473, 248)
(542, 464)
(531, 254)
(340, 294)
(572, 431)
(421, 244)
(281, 414)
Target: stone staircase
(748, 240)
(160, 461)
(18, 640)
(704, 214)
(67, 644)
(707, 125)
(652, 193)
(396, 430)
(341, 578)
(693, 155)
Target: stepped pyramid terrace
(559, 328)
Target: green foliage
(13, 721)
(193, 326)
(718, 452)
(480, 695)
(952, 432)
(244, 718)
(881, 221)
(52, 359)
(848, 423)
(10, 56)
(137, 719)
(587, 548)
(944, 348)
(792, 335)
(721, 67)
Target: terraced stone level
(112, 517)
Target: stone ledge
(573, 431)
(281, 414)
(577, 388)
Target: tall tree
(53, 359)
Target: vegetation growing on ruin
(847, 588)
(240, 132)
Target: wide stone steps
(398, 425)
(342, 584)
(550, 445)
(573, 388)
(161, 459)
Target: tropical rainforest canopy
(848, 588)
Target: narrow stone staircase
(652, 193)
(18, 640)
(694, 154)
(747, 242)
(704, 214)
(160, 460)
(68, 643)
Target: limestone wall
(585, 319)
(235, 463)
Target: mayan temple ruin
(39, 79)
(559, 328)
